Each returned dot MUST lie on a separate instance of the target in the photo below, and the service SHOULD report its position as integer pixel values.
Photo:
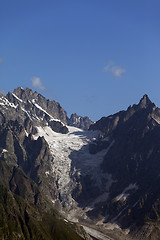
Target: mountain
(27, 192)
(79, 122)
(133, 161)
(25, 106)
(106, 178)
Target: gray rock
(79, 122)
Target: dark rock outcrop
(58, 127)
(133, 161)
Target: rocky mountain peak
(145, 102)
(80, 122)
(136, 114)
(23, 93)
(26, 94)
(25, 104)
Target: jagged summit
(26, 94)
(79, 122)
(145, 102)
(39, 109)
(142, 111)
(25, 104)
(53, 108)
(20, 91)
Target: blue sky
(95, 57)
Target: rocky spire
(145, 102)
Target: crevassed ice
(66, 148)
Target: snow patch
(17, 97)
(51, 117)
(112, 226)
(94, 233)
(26, 113)
(123, 196)
(4, 150)
(2, 104)
(47, 173)
(156, 119)
(26, 133)
(5, 102)
(53, 201)
(66, 220)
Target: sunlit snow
(123, 196)
(4, 150)
(94, 233)
(51, 117)
(17, 97)
(5, 102)
(70, 151)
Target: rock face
(32, 156)
(57, 126)
(50, 109)
(133, 162)
(79, 122)
(108, 124)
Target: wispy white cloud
(114, 69)
(36, 83)
(1, 60)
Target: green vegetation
(25, 214)
(21, 220)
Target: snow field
(61, 146)
(71, 157)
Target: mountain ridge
(36, 107)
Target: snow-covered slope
(71, 159)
